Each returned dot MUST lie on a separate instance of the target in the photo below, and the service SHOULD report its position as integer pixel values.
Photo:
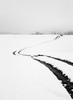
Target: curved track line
(62, 60)
(57, 37)
(14, 53)
(59, 59)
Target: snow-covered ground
(22, 78)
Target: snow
(21, 77)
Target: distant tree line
(53, 33)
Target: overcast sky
(29, 16)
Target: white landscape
(36, 49)
(23, 78)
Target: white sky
(27, 16)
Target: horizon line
(38, 33)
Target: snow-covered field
(23, 78)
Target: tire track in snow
(65, 81)
(18, 52)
